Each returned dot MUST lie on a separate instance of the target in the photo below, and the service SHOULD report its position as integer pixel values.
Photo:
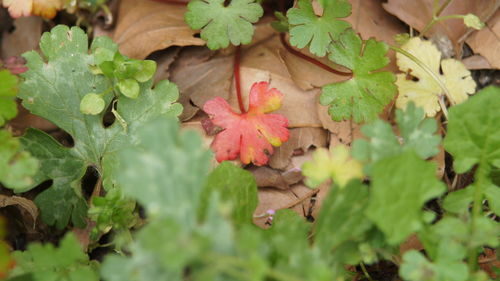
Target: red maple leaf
(251, 134)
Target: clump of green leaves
(124, 75)
(112, 212)
(45, 262)
(65, 55)
(417, 134)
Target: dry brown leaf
(297, 104)
(487, 41)
(24, 204)
(297, 198)
(25, 37)
(164, 60)
(371, 20)
(201, 75)
(267, 177)
(476, 62)
(25, 120)
(300, 138)
(488, 260)
(418, 13)
(146, 26)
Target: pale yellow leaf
(336, 164)
(18, 8)
(425, 91)
(23, 8)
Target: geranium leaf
(307, 28)
(366, 94)
(252, 134)
(426, 91)
(53, 89)
(401, 186)
(473, 131)
(417, 133)
(237, 187)
(221, 25)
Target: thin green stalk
(430, 72)
(482, 176)
(435, 16)
(440, 9)
(365, 272)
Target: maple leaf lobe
(252, 134)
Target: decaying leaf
(300, 139)
(201, 75)
(252, 134)
(146, 26)
(425, 92)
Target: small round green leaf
(129, 88)
(92, 104)
(146, 72)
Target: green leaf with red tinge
(252, 134)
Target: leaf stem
(237, 80)
(309, 59)
(365, 272)
(482, 176)
(430, 72)
(435, 16)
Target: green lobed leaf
(473, 131)
(401, 186)
(366, 94)
(113, 211)
(237, 187)
(165, 171)
(47, 263)
(221, 25)
(53, 88)
(8, 92)
(17, 167)
(318, 31)
(343, 213)
(417, 133)
(416, 267)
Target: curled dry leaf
(300, 138)
(201, 75)
(22, 203)
(146, 26)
